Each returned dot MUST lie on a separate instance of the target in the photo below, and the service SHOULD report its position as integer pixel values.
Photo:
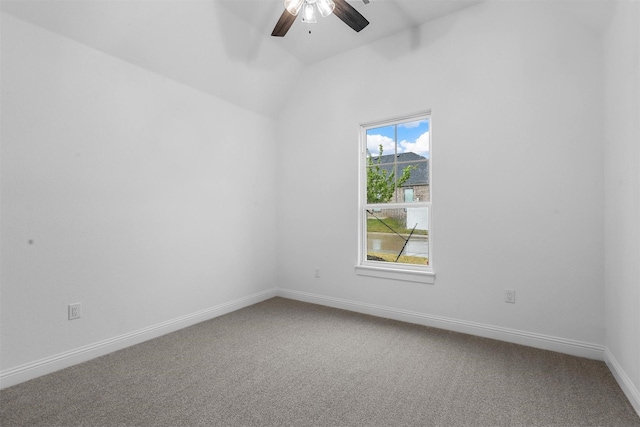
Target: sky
(412, 137)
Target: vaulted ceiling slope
(198, 43)
(221, 47)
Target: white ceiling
(330, 36)
(221, 47)
(101, 23)
(224, 47)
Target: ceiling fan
(343, 10)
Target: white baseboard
(69, 358)
(546, 342)
(63, 360)
(627, 386)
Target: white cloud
(420, 146)
(410, 125)
(374, 141)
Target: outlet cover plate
(75, 311)
(510, 296)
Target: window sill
(424, 277)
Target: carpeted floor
(288, 363)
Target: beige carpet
(287, 363)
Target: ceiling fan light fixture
(325, 7)
(340, 8)
(293, 6)
(309, 14)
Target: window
(395, 199)
(408, 194)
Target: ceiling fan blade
(349, 15)
(283, 25)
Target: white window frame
(404, 272)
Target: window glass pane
(381, 184)
(398, 158)
(398, 235)
(417, 177)
(382, 136)
(413, 137)
(408, 195)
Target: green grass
(376, 226)
(404, 259)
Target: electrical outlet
(75, 311)
(510, 296)
(317, 273)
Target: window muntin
(396, 194)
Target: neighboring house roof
(419, 176)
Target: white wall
(203, 44)
(515, 89)
(138, 196)
(622, 196)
